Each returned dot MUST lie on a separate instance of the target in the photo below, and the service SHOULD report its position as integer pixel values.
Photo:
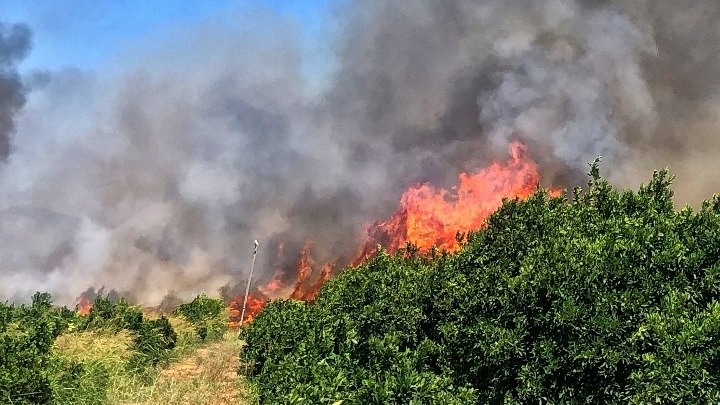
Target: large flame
(428, 217)
(275, 287)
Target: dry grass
(104, 355)
(187, 339)
(109, 347)
(206, 377)
(200, 374)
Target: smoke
(447, 85)
(14, 46)
(156, 178)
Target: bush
(26, 337)
(114, 315)
(153, 342)
(609, 297)
(361, 341)
(152, 339)
(207, 315)
(23, 359)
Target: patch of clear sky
(84, 34)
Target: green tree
(609, 297)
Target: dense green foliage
(153, 342)
(611, 297)
(113, 314)
(207, 316)
(27, 334)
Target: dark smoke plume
(158, 180)
(14, 47)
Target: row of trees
(610, 296)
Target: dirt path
(208, 376)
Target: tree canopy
(608, 296)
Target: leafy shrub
(113, 314)
(26, 337)
(153, 342)
(201, 308)
(23, 358)
(207, 316)
(153, 339)
(361, 341)
(609, 297)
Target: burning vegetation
(394, 143)
(430, 216)
(83, 306)
(427, 217)
(255, 303)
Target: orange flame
(304, 269)
(428, 216)
(274, 286)
(83, 305)
(305, 288)
(255, 303)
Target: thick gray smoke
(447, 84)
(157, 179)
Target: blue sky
(88, 33)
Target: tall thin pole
(247, 289)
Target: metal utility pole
(247, 289)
